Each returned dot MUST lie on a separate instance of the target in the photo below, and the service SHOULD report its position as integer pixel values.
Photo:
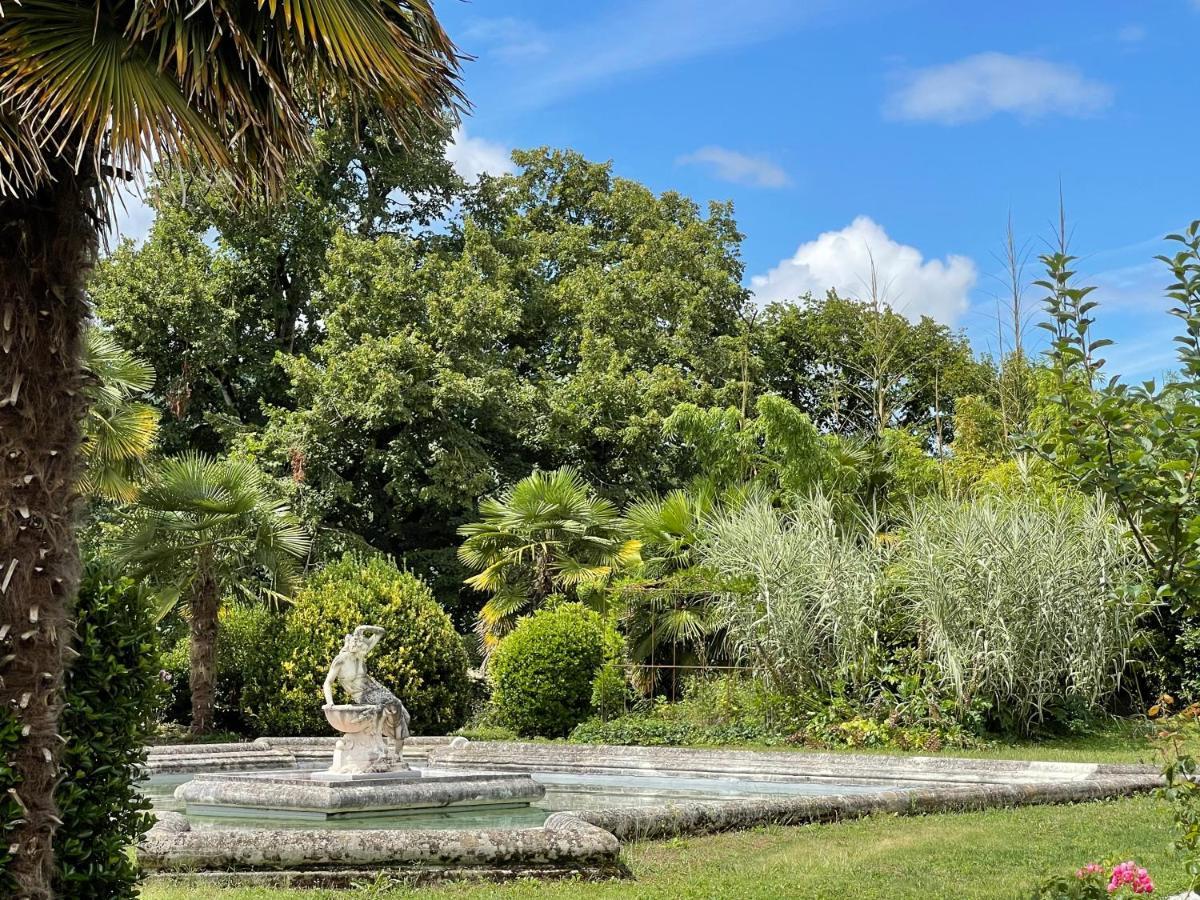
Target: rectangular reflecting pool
(563, 792)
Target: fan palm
(665, 601)
(119, 430)
(89, 94)
(548, 534)
(203, 528)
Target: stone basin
(349, 718)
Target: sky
(845, 131)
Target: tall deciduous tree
(89, 93)
(861, 368)
(558, 321)
(219, 287)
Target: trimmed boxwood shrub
(249, 644)
(112, 692)
(542, 673)
(421, 658)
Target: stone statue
(374, 724)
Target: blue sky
(910, 129)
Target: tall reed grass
(812, 610)
(1031, 605)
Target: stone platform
(324, 795)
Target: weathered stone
(630, 823)
(216, 758)
(514, 848)
(323, 795)
(774, 766)
(165, 820)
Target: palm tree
(89, 94)
(119, 430)
(664, 601)
(203, 528)
(547, 534)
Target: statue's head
(362, 640)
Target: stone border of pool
(587, 843)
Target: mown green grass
(992, 854)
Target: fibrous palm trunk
(204, 607)
(46, 246)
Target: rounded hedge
(421, 658)
(542, 672)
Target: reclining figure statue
(374, 724)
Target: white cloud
(1131, 34)
(508, 39)
(622, 38)
(475, 156)
(729, 165)
(842, 260)
(980, 86)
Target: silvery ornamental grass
(1029, 604)
(810, 616)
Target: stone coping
(766, 765)
(309, 794)
(644, 823)
(265, 753)
(564, 842)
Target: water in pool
(563, 792)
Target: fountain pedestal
(362, 749)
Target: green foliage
(543, 671)
(548, 534)
(778, 449)
(248, 669)
(664, 600)
(1031, 605)
(420, 658)
(199, 517)
(10, 810)
(219, 287)
(712, 711)
(119, 430)
(1181, 770)
(610, 687)
(860, 367)
(112, 692)
(1137, 445)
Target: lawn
(995, 853)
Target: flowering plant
(1096, 882)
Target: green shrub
(737, 710)
(248, 670)
(610, 687)
(421, 658)
(542, 672)
(112, 691)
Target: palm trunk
(46, 246)
(204, 605)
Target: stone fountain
(369, 776)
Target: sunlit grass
(991, 854)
